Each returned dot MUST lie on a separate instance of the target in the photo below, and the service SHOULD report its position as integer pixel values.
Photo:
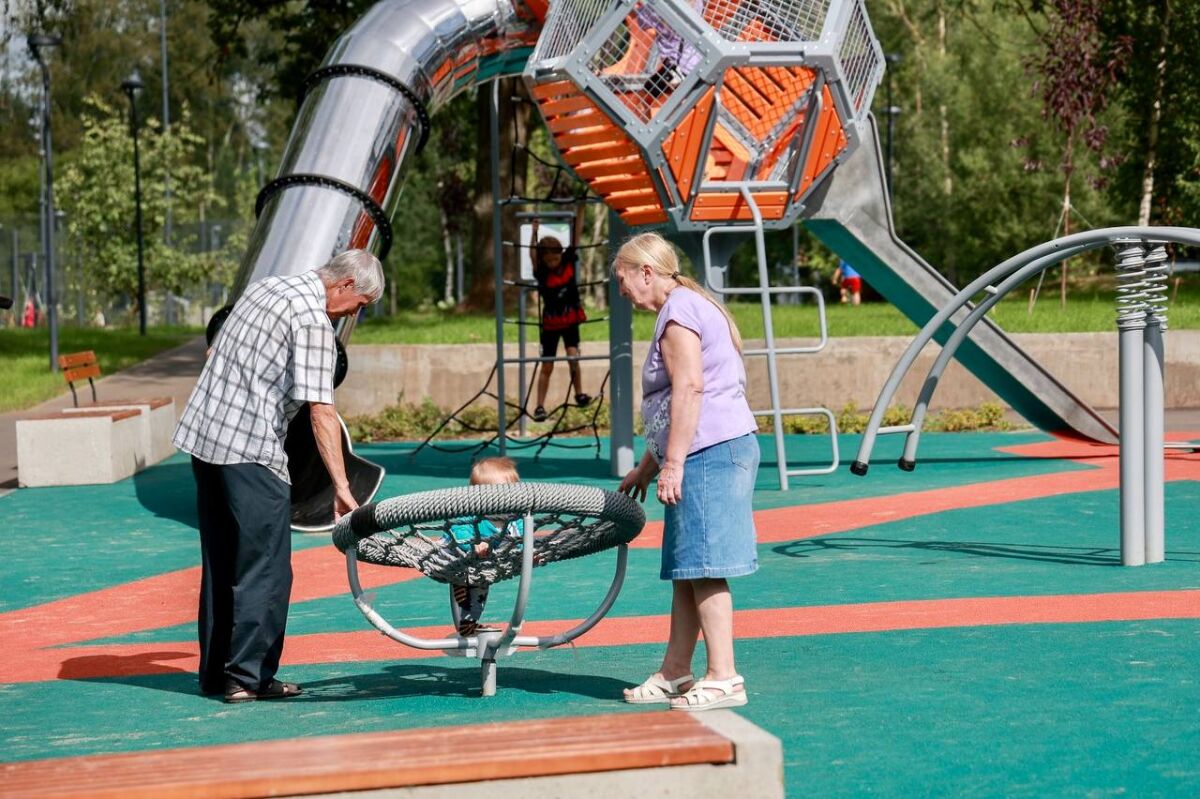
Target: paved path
(169, 374)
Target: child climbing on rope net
(562, 311)
(474, 537)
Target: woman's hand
(670, 484)
(635, 483)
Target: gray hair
(360, 265)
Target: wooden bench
(644, 754)
(159, 420)
(78, 366)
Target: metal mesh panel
(568, 22)
(767, 20)
(860, 60)
(643, 61)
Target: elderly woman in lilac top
(700, 443)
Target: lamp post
(892, 112)
(39, 42)
(131, 86)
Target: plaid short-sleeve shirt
(274, 353)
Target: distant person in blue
(849, 282)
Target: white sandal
(712, 694)
(657, 690)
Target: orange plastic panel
(609, 166)
(828, 140)
(641, 198)
(566, 104)
(727, 206)
(558, 88)
(644, 216)
(600, 134)
(577, 156)
(682, 147)
(614, 183)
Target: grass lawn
(25, 355)
(1089, 309)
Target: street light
(38, 42)
(131, 86)
(892, 112)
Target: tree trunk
(1160, 73)
(448, 251)
(1066, 226)
(515, 120)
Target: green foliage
(96, 193)
(25, 355)
(409, 421)
(406, 421)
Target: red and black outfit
(562, 310)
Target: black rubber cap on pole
(859, 468)
(906, 465)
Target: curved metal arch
(1076, 242)
(909, 459)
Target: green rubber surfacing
(1089, 709)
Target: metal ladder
(715, 282)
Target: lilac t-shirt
(724, 412)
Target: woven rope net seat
(435, 531)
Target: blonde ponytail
(656, 252)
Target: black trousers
(246, 579)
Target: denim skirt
(710, 533)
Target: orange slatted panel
(828, 140)
(81, 373)
(644, 216)
(610, 166)
(605, 134)
(750, 120)
(578, 156)
(574, 122)
(754, 98)
(718, 206)
(608, 185)
(682, 147)
(738, 157)
(781, 146)
(558, 88)
(622, 200)
(566, 104)
(73, 359)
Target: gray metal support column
(1154, 293)
(620, 355)
(1131, 324)
(498, 266)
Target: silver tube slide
(365, 114)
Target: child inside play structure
(562, 311)
(473, 537)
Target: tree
(96, 191)
(1076, 70)
(1160, 178)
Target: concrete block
(158, 423)
(94, 446)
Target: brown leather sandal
(235, 693)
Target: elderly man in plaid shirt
(274, 353)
